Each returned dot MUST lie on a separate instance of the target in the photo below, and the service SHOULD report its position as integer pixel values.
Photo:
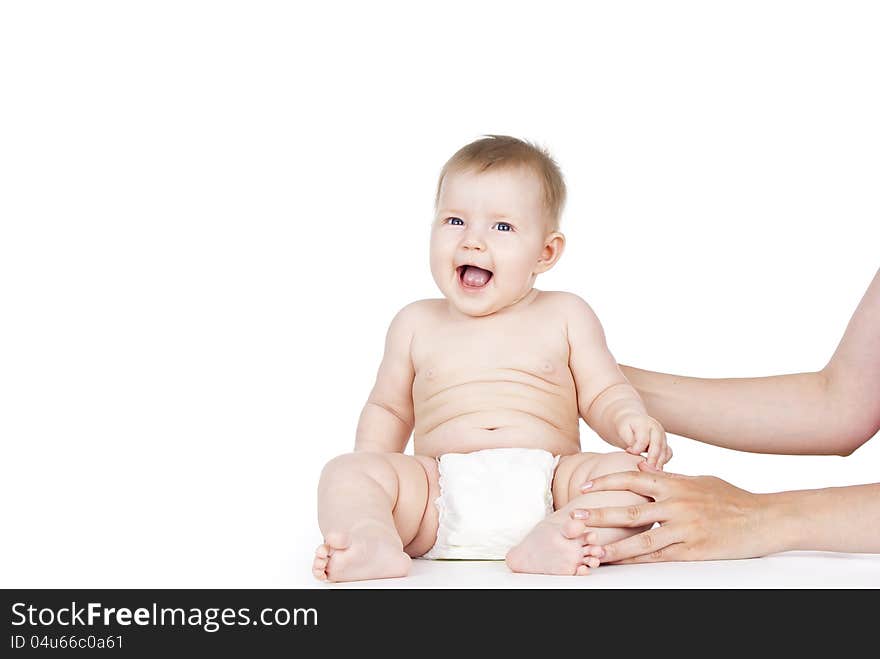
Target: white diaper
(490, 500)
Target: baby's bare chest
(447, 355)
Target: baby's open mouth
(473, 277)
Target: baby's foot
(555, 546)
(369, 551)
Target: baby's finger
(642, 439)
(643, 466)
(665, 455)
(626, 436)
(648, 543)
(655, 450)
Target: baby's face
(490, 239)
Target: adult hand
(701, 518)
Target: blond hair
(503, 151)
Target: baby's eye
(455, 221)
(503, 226)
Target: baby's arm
(387, 419)
(606, 400)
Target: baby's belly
(497, 429)
(495, 408)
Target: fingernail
(581, 514)
(586, 486)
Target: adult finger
(648, 542)
(673, 552)
(648, 484)
(621, 516)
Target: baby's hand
(641, 433)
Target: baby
(495, 363)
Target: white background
(211, 211)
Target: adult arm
(706, 518)
(832, 411)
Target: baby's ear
(554, 245)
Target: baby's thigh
(575, 470)
(415, 515)
(426, 533)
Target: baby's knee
(342, 467)
(610, 463)
(589, 466)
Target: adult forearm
(843, 519)
(832, 411)
(793, 414)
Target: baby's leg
(373, 512)
(567, 495)
(558, 545)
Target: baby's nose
(472, 242)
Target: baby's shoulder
(565, 302)
(407, 322)
(418, 313)
(581, 322)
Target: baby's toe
(319, 569)
(582, 571)
(323, 551)
(572, 528)
(591, 561)
(336, 540)
(591, 548)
